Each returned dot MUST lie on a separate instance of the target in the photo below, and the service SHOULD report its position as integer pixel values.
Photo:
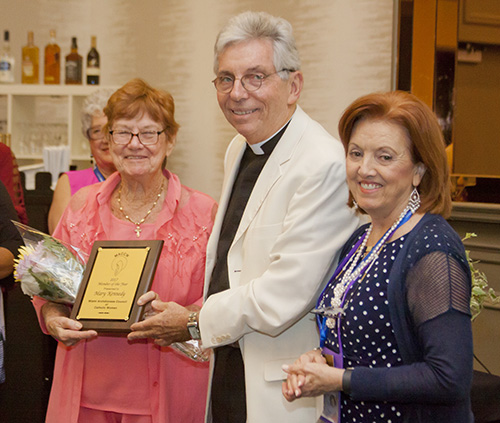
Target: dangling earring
(414, 202)
(355, 205)
(91, 159)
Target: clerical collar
(257, 148)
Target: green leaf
(480, 292)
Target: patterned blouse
(367, 336)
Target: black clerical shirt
(228, 381)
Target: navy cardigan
(433, 384)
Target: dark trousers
(228, 400)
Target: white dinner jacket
(293, 226)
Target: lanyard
(99, 175)
(321, 320)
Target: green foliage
(481, 292)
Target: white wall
(345, 45)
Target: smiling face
(99, 148)
(380, 170)
(259, 114)
(134, 159)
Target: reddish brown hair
(424, 133)
(138, 98)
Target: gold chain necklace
(138, 229)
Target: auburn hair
(425, 136)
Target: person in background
(395, 322)
(93, 119)
(108, 378)
(9, 176)
(10, 241)
(282, 220)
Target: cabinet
(479, 21)
(44, 115)
(476, 127)
(484, 220)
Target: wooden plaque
(116, 275)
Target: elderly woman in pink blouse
(93, 120)
(108, 378)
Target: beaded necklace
(354, 270)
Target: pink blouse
(111, 373)
(81, 178)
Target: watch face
(194, 332)
(192, 326)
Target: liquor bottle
(93, 63)
(52, 61)
(73, 65)
(6, 61)
(29, 74)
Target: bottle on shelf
(29, 72)
(73, 65)
(6, 61)
(93, 63)
(52, 61)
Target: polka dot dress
(367, 336)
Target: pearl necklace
(354, 271)
(138, 229)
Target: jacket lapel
(272, 170)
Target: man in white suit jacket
(293, 225)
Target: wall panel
(346, 50)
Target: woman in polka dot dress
(394, 320)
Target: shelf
(38, 115)
(48, 90)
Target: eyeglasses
(146, 138)
(95, 134)
(251, 81)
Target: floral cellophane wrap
(192, 349)
(47, 267)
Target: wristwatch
(192, 326)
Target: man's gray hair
(260, 25)
(93, 105)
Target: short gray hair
(260, 25)
(93, 105)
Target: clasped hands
(310, 376)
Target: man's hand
(166, 322)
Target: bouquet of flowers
(48, 268)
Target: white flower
(47, 268)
